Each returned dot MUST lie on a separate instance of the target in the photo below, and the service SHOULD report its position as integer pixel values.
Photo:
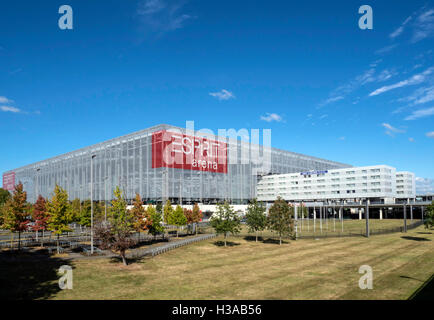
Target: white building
(405, 185)
(373, 182)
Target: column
(381, 213)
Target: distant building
(405, 185)
(378, 183)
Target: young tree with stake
(141, 219)
(16, 212)
(280, 218)
(60, 213)
(40, 216)
(156, 226)
(256, 218)
(429, 217)
(177, 218)
(225, 221)
(116, 233)
(167, 211)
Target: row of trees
(279, 219)
(17, 215)
(58, 213)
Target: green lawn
(330, 227)
(303, 269)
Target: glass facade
(127, 162)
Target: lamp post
(367, 218)
(36, 184)
(105, 198)
(91, 203)
(36, 195)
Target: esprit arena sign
(181, 151)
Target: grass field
(330, 227)
(303, 269)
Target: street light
(105, 198)
(36, 184)
(91, 203)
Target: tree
(280, 218)
(167, 211)
(40, 216)
(177, 218)
(155, 218)
(5, 195)
(16, 212)
(429, 217)
(59, 212)
(188, 216)
(197, 214)
(141, 220)
(159, 208)
(115, 233)
(225, 220)
(86, 214)
(193, 216)
(76, 209)
(256, 218)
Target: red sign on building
(180, 151)
(9, 181)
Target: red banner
(9, 181)
(180, 151)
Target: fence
(169, 246)
(337, 234)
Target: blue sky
(305, 70)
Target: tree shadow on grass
(415, 238)
(228, 243)
(130, 260)
(253, 238)
(425, 291)
(274, 241)
(29, 275)
(425, 232)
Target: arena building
(164, 162)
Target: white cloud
(400, 29)
(420, 96)
(341, 138)
(411, 139)
(423, 25)
(272, 117)
(9, 109)
(420, 114)
(5, 100)
(366, 77)
(385, 75)
(223, 95)
(331, 100)
(162, 15)
(416, 79)
(386, 49)
(390, 130)
(430, 134)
